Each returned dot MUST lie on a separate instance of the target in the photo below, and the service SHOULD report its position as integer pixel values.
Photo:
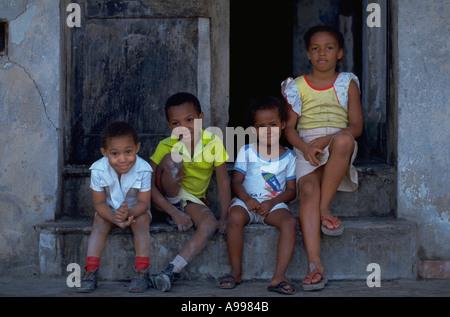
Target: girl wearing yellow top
(323, 122)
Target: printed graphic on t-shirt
(272, 184)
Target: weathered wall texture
(30, 121)
(29, 116)
(423, 122)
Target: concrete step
(388, 242)
(375, 196)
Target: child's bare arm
(290, 132)
(159, 200)
(102, 208)
(284, 197)
(223, 184)
(236, 185)
(142, 205)
(355, 113)
(122, 213)
(309, 151)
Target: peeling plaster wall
(29, 127)
(423, 122)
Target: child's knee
(101, 226)
(309, 189)
(169, 172)
(236, 217)
(343, 143)
(172, 161)
(291, 224)
(208, 226)
(142, 222)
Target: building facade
(60, 83)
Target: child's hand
(311, 155)
(252, 204)
(126, 223)
(321, 142)
(222, 226)
(183, 221)
(265, 207)
(122, 213)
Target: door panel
(128, 68)
(123, 63)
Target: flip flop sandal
(332, 232)
(314, 286)
(228, 279)
(280, 288)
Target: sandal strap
(333, 221)
(313, 274)
(228, 279)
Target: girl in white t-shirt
(263, 181)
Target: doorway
(266, 47)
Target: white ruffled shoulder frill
(290, 92)
(341, 86)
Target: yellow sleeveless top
(319, 108)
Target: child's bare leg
(309, 214)
(96, 244)
(97, 238)
(341, 150)
(206, 225)
(141, 233)
(169, 176)
(237, 219)
(283, 220)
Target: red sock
(92, 263)
(142, 262)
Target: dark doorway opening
(260, 52)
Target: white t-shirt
(105, 178)
(264, 178)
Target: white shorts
(302, 167)
(254, 217)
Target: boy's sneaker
(89, 282)
(163, 280)
(140, 282)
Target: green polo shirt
(198, 168)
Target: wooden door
(122, 64)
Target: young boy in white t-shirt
(120, 183)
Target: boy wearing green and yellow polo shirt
(183, 165)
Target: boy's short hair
(265, 103)
(323, 28)
(118, 129)
(180, 98)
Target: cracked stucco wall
(29, 127)
(423, 123)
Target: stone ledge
(385, 241)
